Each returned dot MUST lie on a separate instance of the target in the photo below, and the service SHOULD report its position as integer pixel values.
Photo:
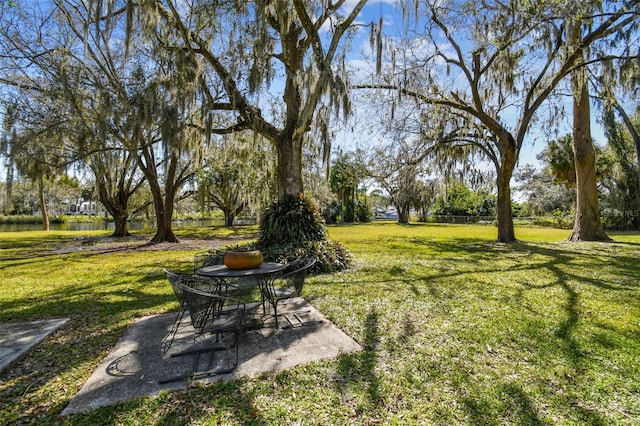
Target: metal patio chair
(214, 315)
(293, 275)
(174, 279)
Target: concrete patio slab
(138, 364)
(17, 339)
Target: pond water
(109, 226)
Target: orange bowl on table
(250, 259)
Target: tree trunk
(116, 205)
(632, 130)
(349, 206)
(403, 214)
(587, 225)
(164, 233)
(43, 204)
(228, 219)
(120, 217)
(164, 229)
(289, 166)
(636, 141)
(506, 231)
(162, 203)
(115, 187)
(120, 225)
(164, 214)
(8, 203)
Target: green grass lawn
(457, 329)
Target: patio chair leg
(275, 313)
(167, 342)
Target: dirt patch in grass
(110, 244)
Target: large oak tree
(496, 63)
(257, 48)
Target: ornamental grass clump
(292, 227)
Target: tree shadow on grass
(570, 270)
(81, 299)
(578, 274)
(521, 409)
(359, 369)
(203, 405)
(97, 321)
(515, 407)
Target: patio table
(260, 277)
(264, 271)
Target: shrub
(331, 256)
(363, 212)
(21, 219)
(292, 227)
(294, 220)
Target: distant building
(89, 208)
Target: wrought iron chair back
(175, 280)
(296, 272)
(294, 276)
(207, 258)
(213, 313)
